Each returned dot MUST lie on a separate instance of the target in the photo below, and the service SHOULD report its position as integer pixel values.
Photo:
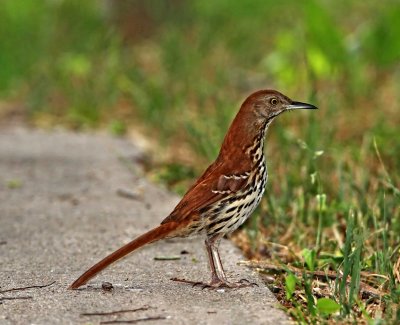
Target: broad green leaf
(309, 258)
(327, 306)
(290, 285)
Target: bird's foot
(193, 283)
(248, 283)
(242, 283)
(219, 284)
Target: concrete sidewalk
(60, 213)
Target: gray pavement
(60, 213)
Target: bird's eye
(273, 101)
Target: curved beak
(300, 105)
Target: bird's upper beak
(300, 105)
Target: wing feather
(211, 187)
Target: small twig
(30, 287)
(374, 275)
(128, 194)
(115, 312)
(167, 258)
(15, 298)
(364, 288)
(132, 321)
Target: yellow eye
(273, 101)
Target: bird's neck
(255, 151)
(245, 137)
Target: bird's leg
(217, 270)
(218, 277)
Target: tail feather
(153, 235)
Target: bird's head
(254, 117)
(267, 104)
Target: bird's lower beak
(300, 105)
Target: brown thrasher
(225, 195)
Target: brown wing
(217, 182)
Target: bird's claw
(245, 281)
(215, 285)
(194, 283)
(200, 284)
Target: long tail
(153, 235)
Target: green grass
(178, 71)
